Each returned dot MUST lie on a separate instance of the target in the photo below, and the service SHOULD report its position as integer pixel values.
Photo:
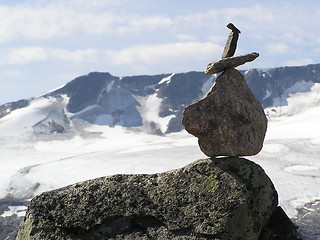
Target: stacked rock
(229, 120)
(226, 198)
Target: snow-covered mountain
(152, 104)
(98, 125)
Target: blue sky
(45, 44)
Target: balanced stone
(229, 120)
(230, 62)
(231, 44)
(230, 198)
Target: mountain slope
(290, 155)
(153, 104)
(96, 126)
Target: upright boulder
(222, 198)
(228, 121)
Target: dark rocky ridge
(9, 225)
(9, 107)
(102, 90)
(308, 220)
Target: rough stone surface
(229, 62)
(9, 227)
(228, 121)
(231, 44)
(308, 220)
(280, 227)
(220, 198)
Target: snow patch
(166, 80)
(298, 105)
(297, 88)
(152, 106)
(268, 94)
(20, 121)
(86, 109)
(247, 71)
(274, 148)
(18, 210)
(305, 170)
(149, 109)
(109, 87)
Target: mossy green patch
(211, 184)
(204, 184)
(25, 229)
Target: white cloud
(217, 19)
(186, 37)
(136, 23)
(169, 52)
(11, 73)
(263, 23)
(218, 39)
(277, 48)
(108, 24)
(40, 22)
(36, 23)
(298, 62)
(88, 55)
(25, 55)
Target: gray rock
(9, 227)
(280, 227)
(231, 44)
(9, 107)
(230, 62)
(223, 198)
(308, 220)
(228, 121)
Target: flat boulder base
(229, 62)
(221, 198)
(229, 120)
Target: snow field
(29, 166)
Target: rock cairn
(225, 198)
(229, 120)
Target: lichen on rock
(205, 199)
